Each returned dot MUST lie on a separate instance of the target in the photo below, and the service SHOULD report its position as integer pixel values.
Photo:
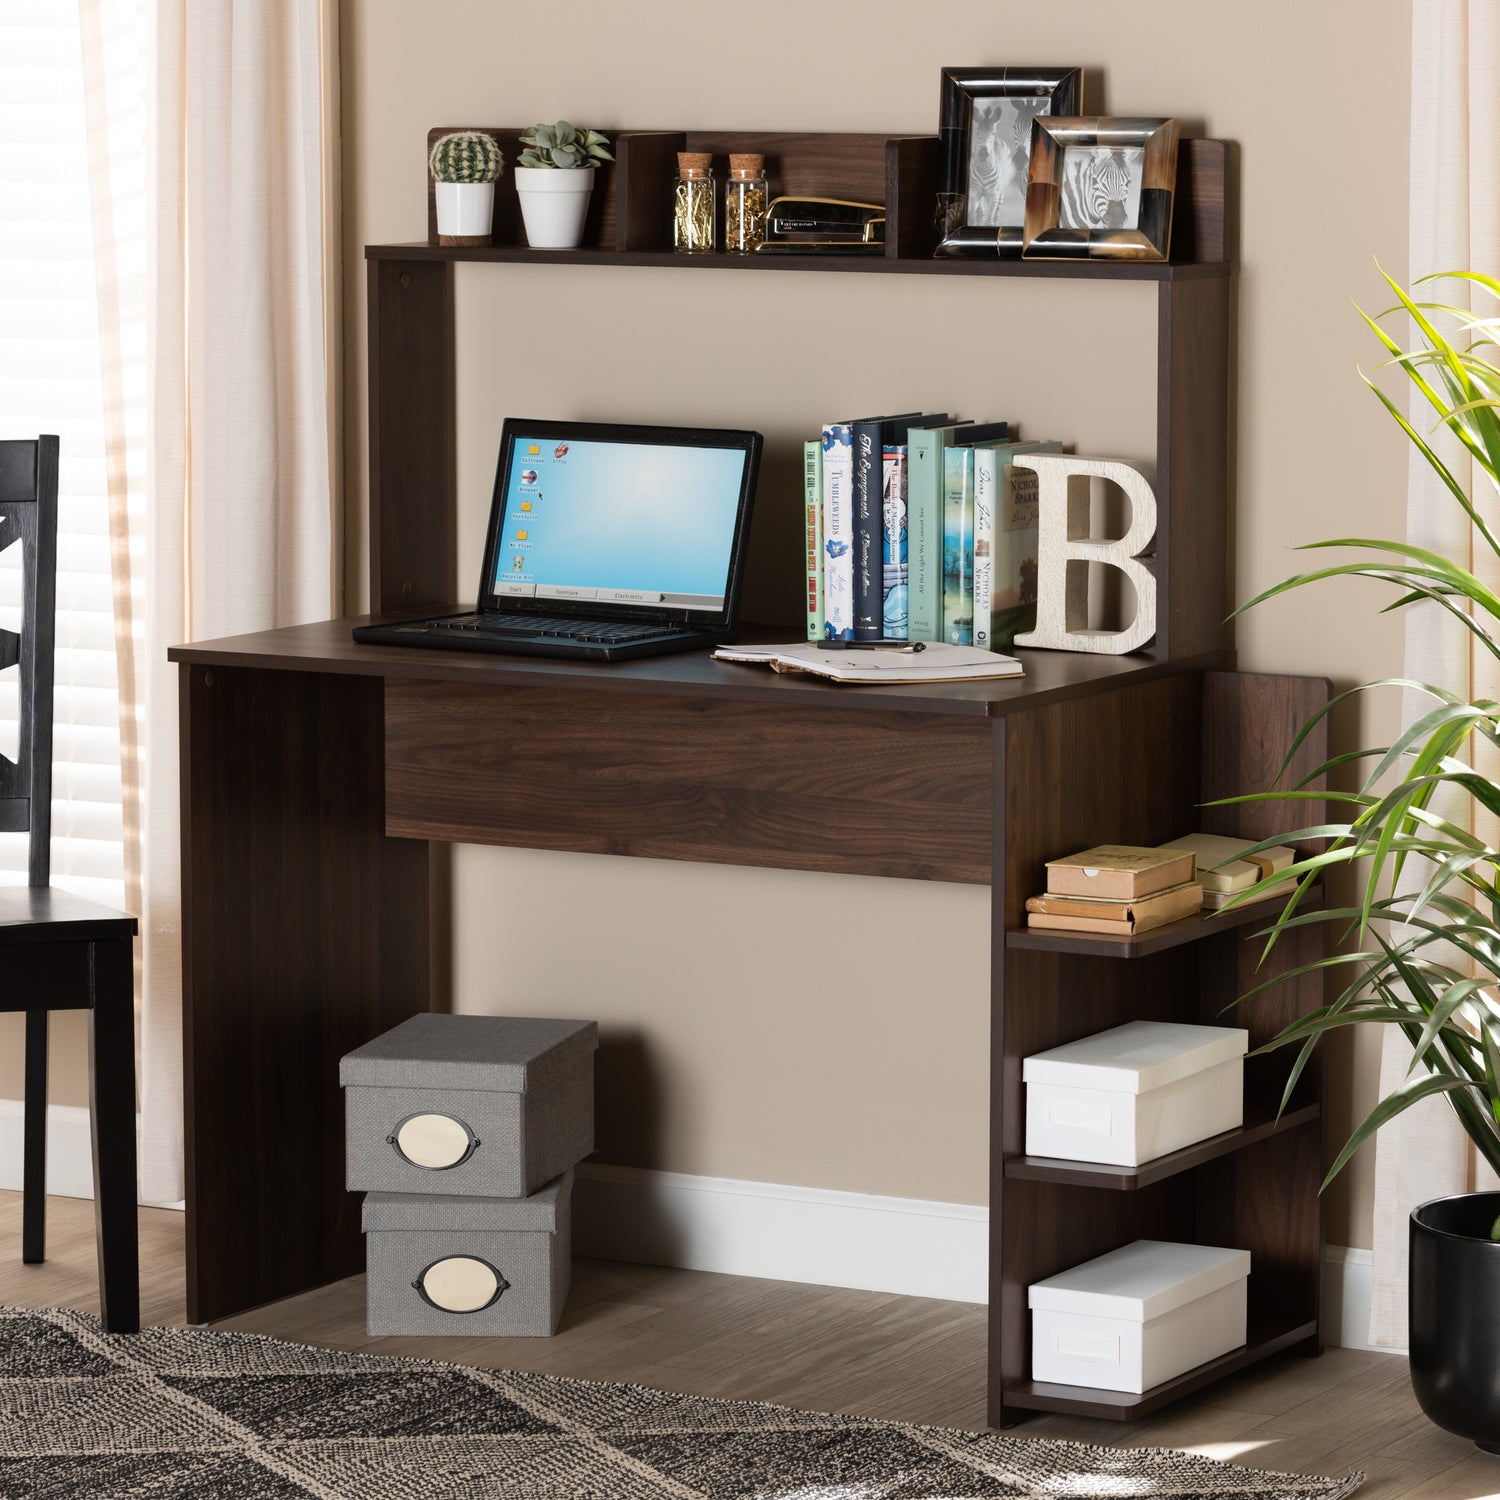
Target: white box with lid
(1138, 1316)
(1136, 1092)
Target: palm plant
(1425, 926)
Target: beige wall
(809, 1029)
(812, 1029)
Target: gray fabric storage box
(486, 1267)
(492, 1106)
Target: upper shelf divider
(630, 210)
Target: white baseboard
(1349, 1281)
(784, 1233)
(905, 1245)
(70, 1156)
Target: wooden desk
(314, 771)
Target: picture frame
(984, 152)
(1101, 187)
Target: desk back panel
(665, 776)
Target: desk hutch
(315, 771)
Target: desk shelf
(910, 265)
(1266, 1337)
(1260, 1124)
(1190, 930)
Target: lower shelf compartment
(1266, 1338)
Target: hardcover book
(924, 521)
(812, 478)
(1223, 865)
(871, 436)
(958, 546)
(894, 520)
(838, 532)
(1006, 533)
(1119, 872)
(1120, 918)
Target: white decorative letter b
(1061, 590)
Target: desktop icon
(518, 564)
(561, 451)
(534, 449)
(528, 476)
(526, 505)
(521, 536)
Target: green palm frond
(1407, 836)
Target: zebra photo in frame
(1101, 188)
(984, 149)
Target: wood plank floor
(903, 1358)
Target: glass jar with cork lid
(745, 201)
(693, 204)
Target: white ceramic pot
(554, 201)
(465, 211)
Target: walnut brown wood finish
(722, 783)
(1256, 1189)
(411, 512)
(305, 934)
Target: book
(871, 436)
(1006, 533)
(924, 521)
(1223, 865)
(812, 480)
(894, 618)
(838, 532)
(1215, 900)
(958, 546)
(932, 664)
(1123, 918)
(1119, 872)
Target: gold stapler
(823, 226)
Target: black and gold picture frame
(1101, 188)
(984, 149)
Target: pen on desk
(873, 645)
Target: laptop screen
(613, 519)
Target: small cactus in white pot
(465, 165)
(554, 177)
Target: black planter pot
(1453, 1293)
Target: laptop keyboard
(605, 632)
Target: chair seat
(44, 914)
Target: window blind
(50, 382)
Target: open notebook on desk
(935, 662)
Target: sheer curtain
(1455, 225)
(236, 530)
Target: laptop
(605, 542)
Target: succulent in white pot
(554, 177)
(465, 165)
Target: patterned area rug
(181, 1414)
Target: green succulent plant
(563, 145)
(466, 156)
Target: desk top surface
(328, 647)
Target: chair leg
(34, 1143)
(112, 1122)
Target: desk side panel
(823, 788)
(305, 934)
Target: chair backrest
(28, 515)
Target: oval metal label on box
(436, 1142)
(461, 1284)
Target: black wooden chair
(58, 952)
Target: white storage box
(1134, 1093)
(1138, 1316)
